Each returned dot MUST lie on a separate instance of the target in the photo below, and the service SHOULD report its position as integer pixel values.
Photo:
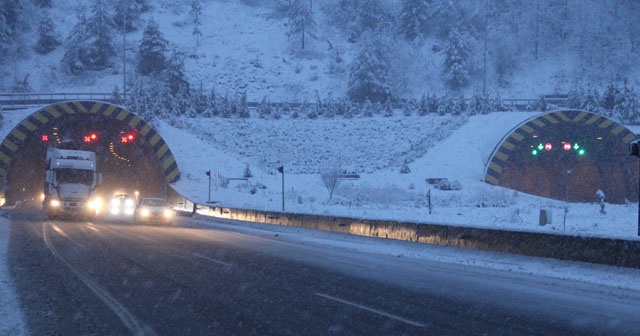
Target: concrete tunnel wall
(564, 174)
(13, 142)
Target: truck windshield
(66, 175)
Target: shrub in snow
(405, 168)
(331, 178)
(151, 53)
(490, 197)
(445, 184)
(247, 172)
(48, 39)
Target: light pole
(634, 150)
(208, 172)
(124, 52)
(281, 170)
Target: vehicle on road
(122, 205)
(70, 184)
(155, 211)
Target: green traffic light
(534, 152)
(582, 152)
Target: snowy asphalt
(108, 278)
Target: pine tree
(174, 77)
(90, 44)
(5, 38)
(196, 11)
(301, 21)
(43, 3)
(608, 100)
(76, 56)
(127, 15)
(627, 107)
(12, 20)
(414, 18)
(151, 54)
(455, 69)
(100, 26)
(369, 73)
(47, 37)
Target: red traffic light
(128, 138)
(567, 146)
(90, 138)
(44, 138)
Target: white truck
(70, 184)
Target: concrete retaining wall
(617, 252)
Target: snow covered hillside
(384, 193)
(248, 46)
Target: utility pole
(281, 170)
(208, 172)
(124, 52)
(634, 150)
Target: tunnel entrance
(131, 156)
(567, 155)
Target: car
(122, 204)
(153, 210)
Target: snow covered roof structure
(566, 155)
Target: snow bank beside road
(10, 313)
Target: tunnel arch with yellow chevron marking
(579, 152)
(30, 126)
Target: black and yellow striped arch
(12, 142)
(513, 140)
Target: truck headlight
(95, 204)
(54, 203)
(168, 213)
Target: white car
(153, 210)
(122, 204)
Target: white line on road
(131, 322)
(211, 259)
(375, 311)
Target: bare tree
(331, 177)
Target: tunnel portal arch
(21, 137)
(566, 155)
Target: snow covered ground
(10, 313)
(382, 193)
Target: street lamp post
(634, 150)
(281, 170)
(208, 172)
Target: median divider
(617, 252)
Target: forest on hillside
(485, 42)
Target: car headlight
(54, 203)
(129, 203)
(144, 212)
(115, 202)
(168, 213)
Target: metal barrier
(14, 101)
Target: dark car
(155, 211)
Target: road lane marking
(128, 319)
(93, 228)
(211, 259)
(375, 311)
